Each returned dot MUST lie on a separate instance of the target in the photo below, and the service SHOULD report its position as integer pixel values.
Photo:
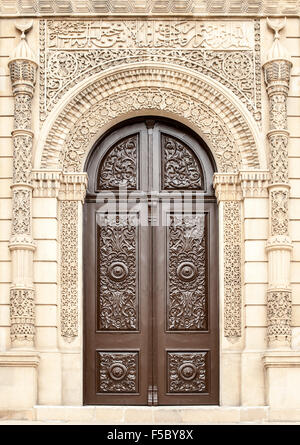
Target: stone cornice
(149, 8)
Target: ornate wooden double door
(150, 270)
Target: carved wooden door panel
(150, 270)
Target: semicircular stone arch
(166, 91)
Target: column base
(282, 376)
(18, 380)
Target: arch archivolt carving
(226, 126)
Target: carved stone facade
(203, 65)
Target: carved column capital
(73, 187)
(227, 187)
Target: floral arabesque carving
(117, 372)
(278, 112)
(22, 159)
(69, 269)
(279, 158)
(70, 53)
(232, 269)
(23, 112)
(88, 126)
(22, 314)
(279, 212)
(21, 223)
(279, 314)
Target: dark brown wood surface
(151, 315)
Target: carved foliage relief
(22, 314)
(221, 141)
(21, 223)
(232, 269)
(118, 372)
(117, 273)
(187, 282)
(181, 169)
(22, 159)
(279, 212)
(73, 50)
(279, 158)
(187, 372)
(69, 268)
(119, 166)
(279, 315)
(22, 116)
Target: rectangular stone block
(253, 388)
(18, 380)
(6, 106)
(294, 147)
(45, 228)
(296, 292)
(6, 147)
(296, 316)
(256, 316)
(72, 378)
(295, 272)
(6, 126)
(4, 251)
(255, 251)
(46, 293)
(256, 229)
(293, 121)
(293, 44)
(295, 187)
(293, 27)
(4, 315)
(5, 271)
(4, 293)
(46, 250)
(44, 207)
(255, 338)
(295, 230)
(230, 375)
(283, 386)
(296, 252)
(5, 342)
(294, 209)
(256, 207)
(293, 106)
(256, 272)
(294, 90)
(49, 382)
(255, 293)
(45, 272)
(6, 167)
(5, 83)
(5, 230)
(5, 208)
(5, 190)
(46, 315)
(7, 45)
(46, 337)
(294, 166)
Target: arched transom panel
(225, 125)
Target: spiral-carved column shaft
(279, 299)
(22, 300)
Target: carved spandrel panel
(72, 50)
(120, 166)
(187, 372)
(117, 247)
(117, 372)
(187, 280)
(180, 167)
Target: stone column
(281, 363)
(23, 76)
(279, 299)
(18, 366)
